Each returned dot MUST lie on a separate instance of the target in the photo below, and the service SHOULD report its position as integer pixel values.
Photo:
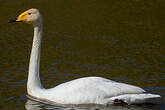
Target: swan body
(87, 90)
(93, 90)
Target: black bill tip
(12, 20)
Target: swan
(87, 90)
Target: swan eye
(29, 13)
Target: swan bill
(20, 18)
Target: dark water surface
(122, 40)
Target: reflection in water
(34, 105)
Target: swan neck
(34, 65)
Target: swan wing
(90, 90)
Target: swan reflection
(35, 105)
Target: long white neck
(34, 65)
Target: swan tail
(133, 98)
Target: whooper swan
(87, 90)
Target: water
(118, 40)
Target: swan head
(31, 16)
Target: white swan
(88, 90)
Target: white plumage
(88, 90)
(94, 90)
